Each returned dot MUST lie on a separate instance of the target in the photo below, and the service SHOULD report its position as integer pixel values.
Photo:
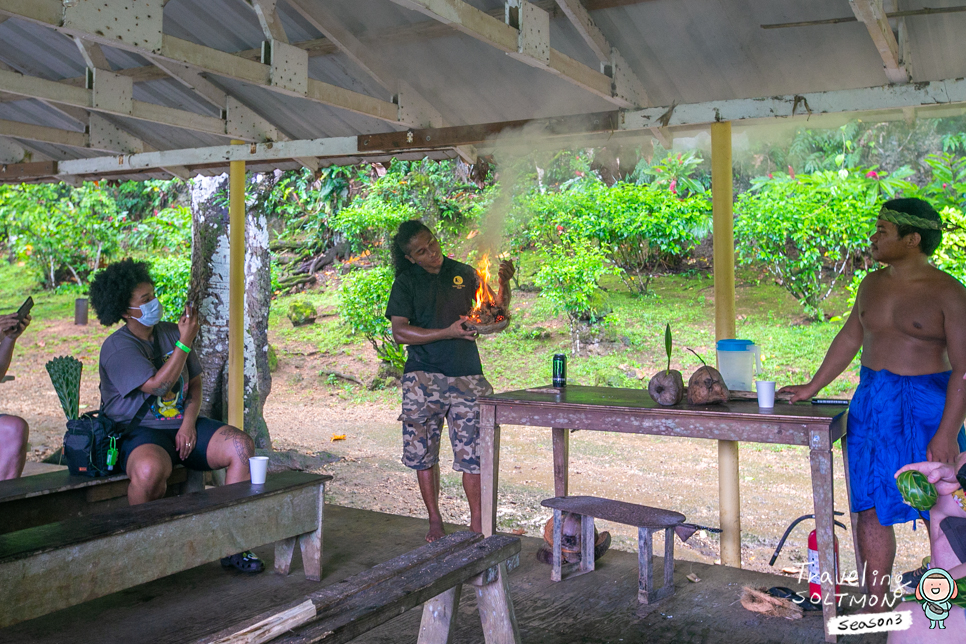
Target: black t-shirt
(435, 302)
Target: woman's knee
(149, 470)
(14, 432)
(244, 446)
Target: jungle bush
(363, 296)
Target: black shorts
(164, 438)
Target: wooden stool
(646, 519)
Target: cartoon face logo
(167, 406)
(935, 590)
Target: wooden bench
(646, 519)
(53, 566)
(433, 573)
(54, 496)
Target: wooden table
(632, 411)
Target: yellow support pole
(729, 496)
(236, 293)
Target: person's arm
(943, 447)
(505, 274)
(840, 353)
(161, 382)
(185, 439)
(10, 330)
(405, 333)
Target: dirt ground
(304, 413)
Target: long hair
(400, 243)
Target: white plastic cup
(766, 393)
(259, 468)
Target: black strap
(158, 363)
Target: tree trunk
(209, 293)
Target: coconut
(707, 387)
(666, 387)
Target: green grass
(633, 334)
(17, 282)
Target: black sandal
(245, 562)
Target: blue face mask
(150, 313)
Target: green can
(559, 370)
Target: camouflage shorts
(428, 398)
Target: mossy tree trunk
(209, 292)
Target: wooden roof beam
(268, 19)
(873, 15)
(146, 38)
(529, 43)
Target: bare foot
(435, 530)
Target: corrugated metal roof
(684, 51)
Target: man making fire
(911, 400)
(430, 299)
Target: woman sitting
(147, 359)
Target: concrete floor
(594, 608)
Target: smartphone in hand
(24, 309)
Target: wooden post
(729, 498)
(236, 294)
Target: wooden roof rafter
(872, 13)
(156, 44)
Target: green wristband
(182, 346)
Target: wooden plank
(367, 609)
(29, 132)
(489, 467)
(872, 14)
(496, 611)
(73, 532)
(617, 511)
(108, 554)
(561, 460)
(380, 573)
(473, 134)
(438, 622)
(271, 627)
(17, 171)
(823, 497)
(579, 17)
(495, 32)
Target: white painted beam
(485, 28)
(332, 147)
(11, 151)
(928, 96)
(873, 15)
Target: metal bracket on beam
(112, 92)
(533, 23)
(134, 23)
(290, 66)
(416, 111)
(625, 84)
(104, 135)
(246, 125)
(11, 151)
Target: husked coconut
(707, 387)
(666, 387)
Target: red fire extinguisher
(814, 578)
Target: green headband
(905, 219)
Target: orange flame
(484, 294)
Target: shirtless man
(911, 400)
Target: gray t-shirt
(126, 364)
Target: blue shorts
(164, 438)
(892, 418)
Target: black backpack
(89, 437)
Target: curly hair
(400, 243)
(111, 289)
(929, 240)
